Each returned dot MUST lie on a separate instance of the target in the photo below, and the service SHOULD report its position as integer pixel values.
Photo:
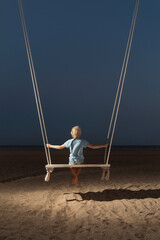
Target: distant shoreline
(114, 147)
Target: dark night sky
(78, 49)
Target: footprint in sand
(73, 197)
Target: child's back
(76, 146)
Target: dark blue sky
(78, 49)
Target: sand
(126, 207)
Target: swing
(106, 166)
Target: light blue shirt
(76, 146)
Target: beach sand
(127, 207)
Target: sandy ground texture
(127, 207)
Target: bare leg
(73, 170)
(74, 179)
(78, 171)
(75, 173)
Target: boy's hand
(106, 145)
(48, 145)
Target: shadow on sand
(113, 194)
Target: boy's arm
(98, 146)
(56, 146)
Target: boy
(76, 146)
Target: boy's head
(76, 132)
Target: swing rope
(117, 102)
(121, 84)
(34, 83)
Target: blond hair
(76, 132)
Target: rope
(121, 82)
(118, 93)
(34, 83)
